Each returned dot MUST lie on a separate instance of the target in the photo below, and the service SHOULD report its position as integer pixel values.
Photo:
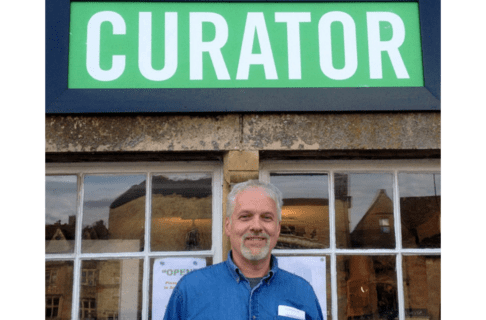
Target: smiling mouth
(256, 239)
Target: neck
(252, 269)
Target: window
(110, 225)
(377, 223)
(112, 316)
(51, 276)
(385, 225)
(88, 277)
(87, 309)
(52, 307)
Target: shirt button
(254, 317)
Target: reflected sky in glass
(300, 186)
(419, 185)
(61, 195)
(101, 191)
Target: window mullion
(148, 212)
(146, 250)
(397, 215)
(145, 287)
(398, 241)
(217, 217)
(332, 213)
(77, 249)
(332, 244)
(401, 297)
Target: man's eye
(268, 218)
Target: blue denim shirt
(221, 291)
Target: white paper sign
(166, 273)
(312, 269)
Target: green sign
(244, 45)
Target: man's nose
(256, 225)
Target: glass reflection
(162, 283)
(420, 209)
(367, 287)
(364, 210)
(421, 283)
(305, 211)
(181, 212)
(61, 197)
(113, 213)
(59, 289)
(111, 289)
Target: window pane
(305, 211)
(61, 196)
(367, 287)
(362, 202)
(113, 213)
(420, 209)
(59, 293)
(117, 289)
(181, 212)
(162, 284)
(421, 283)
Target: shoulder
(288, 276)
(293, 281)
(203, 275)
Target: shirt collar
(238, 275)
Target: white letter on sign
(145, 46)
(376, 46)
(293, 20)
(325, 49)
(93, 46)
(255, 22)
(197, 46)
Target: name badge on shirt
(291, 312)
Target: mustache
(250, 235)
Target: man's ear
(226, 226)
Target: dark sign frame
(61, 100)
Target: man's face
(253, 229)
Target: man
(249, 285)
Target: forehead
(255, 199)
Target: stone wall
(253, 132)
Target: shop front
(155, 109)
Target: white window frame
(350, 166)
(147, 169)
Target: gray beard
(262, 254)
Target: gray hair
(271, 190)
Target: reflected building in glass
(181, 214)
(181, 220)
(305, 211)
(112, 289)
(59, 289)
(376, 228)
(367, 284)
